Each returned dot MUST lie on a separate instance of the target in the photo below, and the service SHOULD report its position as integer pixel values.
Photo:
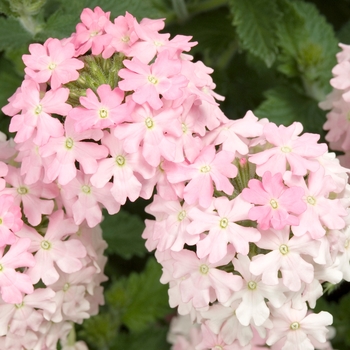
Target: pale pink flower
(52, 62)
(37, 109)
(287, 256)
(122, 166)
(121, 36)
(289, 150)
(234, 135)
(208, 168)
(85, 200)
(276, 205)
(100, 112)
(149, 82)
(220, 221)
(17, 318)
(223, 320)
(212, 341)
(89, 32)
(54, 249)
(34, 198)
(154, 131)
(253, 295)
(200, 280)
(13, 283)
(321, 212)
(10, 219)
(297, 327)
(68, 149)
(171, 223)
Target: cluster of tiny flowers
(250, 218)
(338, 105)
(261, 223)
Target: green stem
(30, 25)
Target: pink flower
(10, 219)
(220, 223)
(89, 32)
(68, 149)
(207, 168)
(103, 112)
(297, 327)
(299, 152)
(275, 203)
(148, 82)
(286, 255)
(12, 282)
(52, 62)
(54, 249)
(37, 109)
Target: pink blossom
(122, 166)
(201, 280)
(54, 249)
(86, 201)
(36, 117)
(103, 112)
(220, 221)
(297, 328)
(68, 149)
(89, 32)
(321, 211)
(10, 219)
(297, 152)
(35, 198)
(207, 168)
(154, 132)
(287, 256)
(148, 82)
(12, 282)
(52, 62)
(276, 205)
(121, 36)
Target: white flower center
(46, 245)
(205, 169)
(22, 190)
(252, 285)
(294, 326)
(311, 200)
(204, 269)
(181, 215)
(286, 149)
(152, 79)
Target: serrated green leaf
(308, 46)
(256, 23)
(140, 299)
(284, 105)
(12, 34)
(58, 25)
(100, 330)
(123, 234)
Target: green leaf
(140, 299)
(138, 8)
(308, 47)
(153, 337)
(284, 105)
(344, 33)
(214, 33)
(12, 34)
(256, 23)
(100, 330)
(59, 25)
(123, 234)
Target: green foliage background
(271, 56)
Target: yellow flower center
(103, 113)
(274, 203)
(69, 143)
(284, 250)
(149, 122)
(204, 269)
(205, 169)
(223, 222)
(152, 79)
(120, 160)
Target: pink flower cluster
(250, 218)
(247, 245)
(338, 104)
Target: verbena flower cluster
(251, 218)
